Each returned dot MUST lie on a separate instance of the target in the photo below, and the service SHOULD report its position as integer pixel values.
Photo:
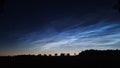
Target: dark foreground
(86, 59)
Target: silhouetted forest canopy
(90, 52)
(93, 58)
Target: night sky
(58, 26)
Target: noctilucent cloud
(63, 26)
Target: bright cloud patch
(98, 36)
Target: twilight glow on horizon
(58, 27)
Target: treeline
(85, 59)
(90, 52)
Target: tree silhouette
(68, 54)
(50, 55)
(85, 59)
(56, 54)
(74, 54)
(45, 55)
(39, 55)
(62, 54)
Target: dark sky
(58, 26)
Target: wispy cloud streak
(98, 36)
